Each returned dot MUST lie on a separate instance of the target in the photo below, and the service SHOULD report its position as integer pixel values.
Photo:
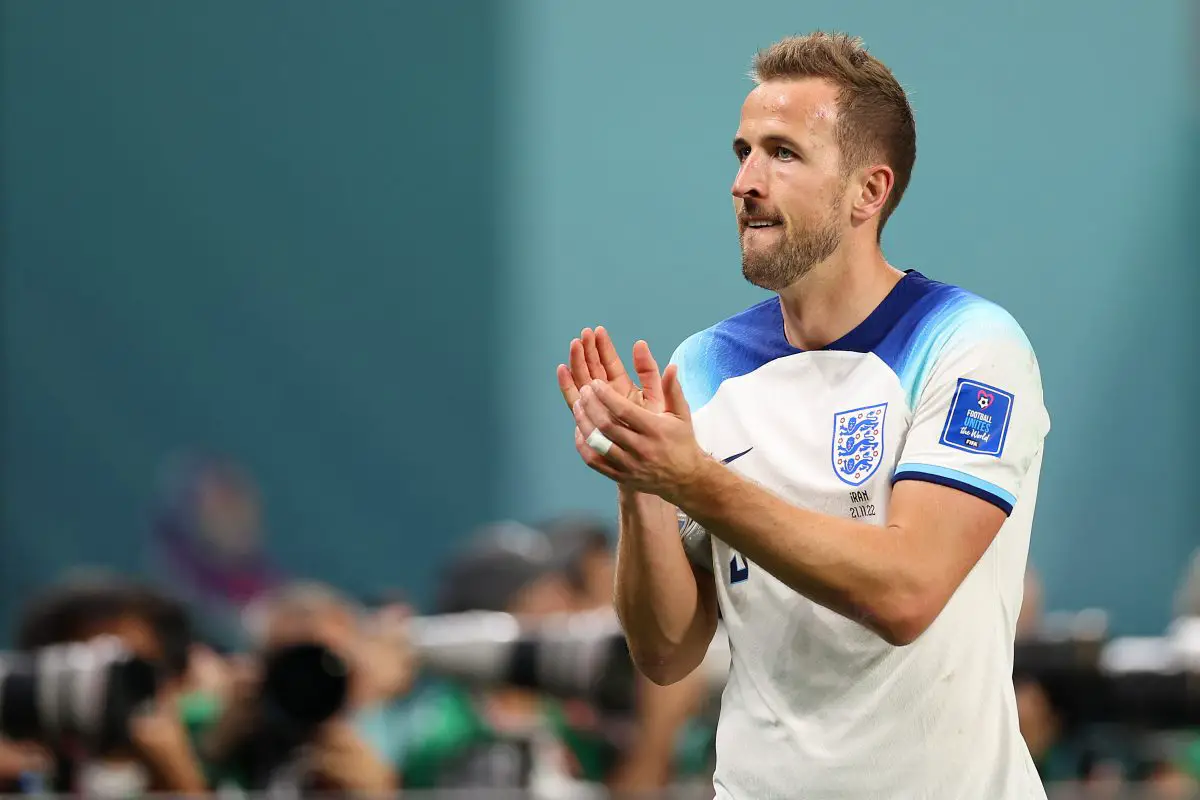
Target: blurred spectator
(509, 567)
(1186, 767)
(1029, 620)
(1191, 758)
(208, 541)
(666, 739)
(1164, 767)
(585, 548)
(356, 749)
(1040, 724)
(507, 738)
(152, 626)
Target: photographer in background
(1041, 727)
(1187, 606)
(587, 553)
(258, 745)
(667, 738)
(158, 755)
(506, 738)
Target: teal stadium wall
(259, 228)
(349, 246)
(1057, 155)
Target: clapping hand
(593, 357)
(639, 439)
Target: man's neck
(836, 296)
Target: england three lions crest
(858, 443)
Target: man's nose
(750, 181)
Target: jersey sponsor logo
(858, 443)
(978, 418)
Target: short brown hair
(875, 120)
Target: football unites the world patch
(858, 443)
(978, 418)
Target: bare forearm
(858, 570)
(668, 618)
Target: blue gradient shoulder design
(731, 348)
(908, 331)
(946, 314)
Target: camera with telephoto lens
(1090, 679)
(303, 686)
(79, 694)
(579, 656)
(482, 637)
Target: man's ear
(875, 187)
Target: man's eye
(784, 154)
(742, 153)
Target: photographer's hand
(18, 758)
(240, 701)
(347, 763)
(166, 750)
(387, 659)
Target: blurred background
(283, 287)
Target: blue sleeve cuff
(955, 479)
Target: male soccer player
(863, 451)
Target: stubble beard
(793, 257)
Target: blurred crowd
(265, 682)
(1067, 747)
(221, 720)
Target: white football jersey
(935, 385)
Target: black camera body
(303, 686)
(1085, 690)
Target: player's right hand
(593, 357)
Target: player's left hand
(655, 453)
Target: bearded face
(778, 250)
(790, 187)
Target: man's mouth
(761, 223)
